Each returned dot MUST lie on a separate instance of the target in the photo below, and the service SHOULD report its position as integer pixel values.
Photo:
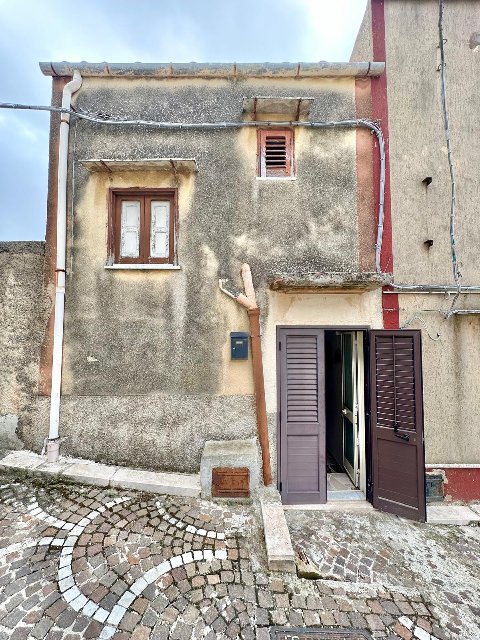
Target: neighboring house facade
(158, 211)
(421, 197)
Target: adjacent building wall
(420, 213)
(22, 323)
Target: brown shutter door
(302, 416)
(397, 423)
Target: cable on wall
(406, 324)
(456, 271)
(373, 126)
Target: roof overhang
(292, 109)
(213, 70)
(330, 282)
(180, 165)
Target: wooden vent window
(275, 153)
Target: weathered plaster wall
(363, 47)
(147, 374)
(418, 149)
(22, 326)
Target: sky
(137, 31)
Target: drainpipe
(249, 301)
(53, 444)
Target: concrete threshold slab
(340, 505)
(454, 514)
(102, 475)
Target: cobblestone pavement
(81, 562)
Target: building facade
(333, 182)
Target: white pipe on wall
(53, 444)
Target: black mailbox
(239, 345)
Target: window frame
(146, 196)
(261, 152)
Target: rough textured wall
(362, 49)
(22, 326)
(144, 350)
(418, 149)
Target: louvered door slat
(308, 409)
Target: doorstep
(332, 505)
(102, 475)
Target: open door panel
(397, 423)
(301, 361)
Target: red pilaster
(380, 112)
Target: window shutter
(130, 229)
(159, 232)
(397, 423)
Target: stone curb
(280, 553)
(101, 475)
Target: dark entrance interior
(344, 421)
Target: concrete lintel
(112, 165)
(175, 484)
(452, 514)
(329, 282)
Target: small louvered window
(275, 153)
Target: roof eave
(214, 70)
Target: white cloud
(331, 27)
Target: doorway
(345, 415)
(329, 382)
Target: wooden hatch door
(301, 368)
(397, 423)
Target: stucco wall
(418, 149)
(22, 326)
(147, 370)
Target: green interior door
(350, 406)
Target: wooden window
(275, 153)
(142, 226)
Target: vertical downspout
(249, 301)
(53, 444)
(259, 385)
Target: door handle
(402, 436)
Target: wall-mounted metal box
(238, 345)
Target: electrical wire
(406, 324)
(374, 126)
(456, 271)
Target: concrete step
(102, 475)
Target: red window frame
(285, 171)
(145, 196)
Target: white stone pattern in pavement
(204, 533)
(66, 581)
